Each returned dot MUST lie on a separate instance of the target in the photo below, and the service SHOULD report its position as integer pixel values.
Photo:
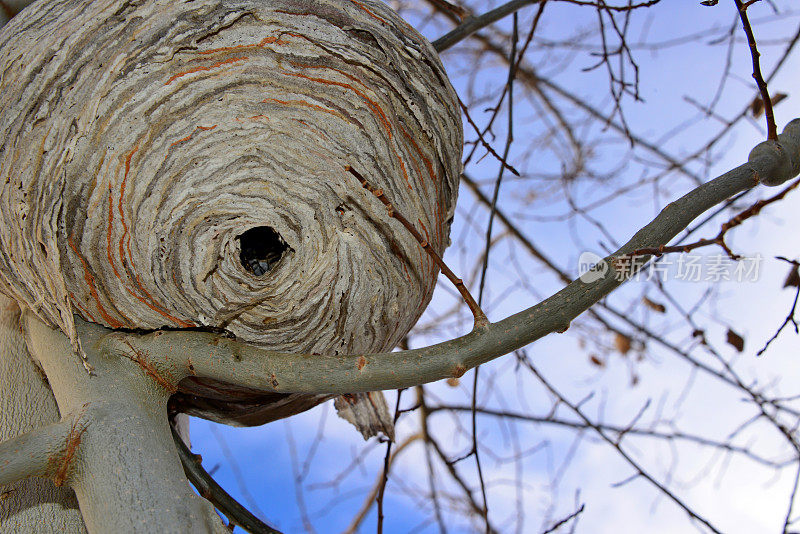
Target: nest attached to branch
(182, 165)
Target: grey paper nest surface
(182, 164)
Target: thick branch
(213, 356)
(36, 453)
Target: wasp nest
(182, 164)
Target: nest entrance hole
(261, 249)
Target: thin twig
(423, 420)
(772, 129)
(509, 140)
(480, 318)
(570, 517)
(371, 498)
(387, 461)
(790, 316)
(640, 472)
(473, 24)
(719, 239)
(788, 520)
(483, 140)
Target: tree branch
(214, 356)
(772, 130)
(39, 452)
(208, 488)
(473, 24)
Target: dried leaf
(634, 380)
(735, 340)
(709, 2)
(757, 106)
(453, 382)
(595, 360)
(655, 306)
(622, 343)
(778, 97)
(793, 279)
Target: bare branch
(790, 319)
(772, 129)
(474, 24)
(719, 239)
(41, 452)
(640, 471)
(214, 356)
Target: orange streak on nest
(108, 244)
(434, 181)
(119, 203)
(87, 276)
(155, 306)
(78, 305)
(367, 11)
(253, 118)
(256, 117)
(123, 244)
(371, 103)
(188, 137)
(427, 162)
(108, 233)
(319, 133)
(264, 42)
(302, 103)
(405, 268)
(209, 67)
(326, 67)
(402, 167)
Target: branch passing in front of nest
(480, 318)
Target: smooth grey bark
(35, 453)
(124, 469)
(27, 404)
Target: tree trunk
(121, 459)
(34, 504)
